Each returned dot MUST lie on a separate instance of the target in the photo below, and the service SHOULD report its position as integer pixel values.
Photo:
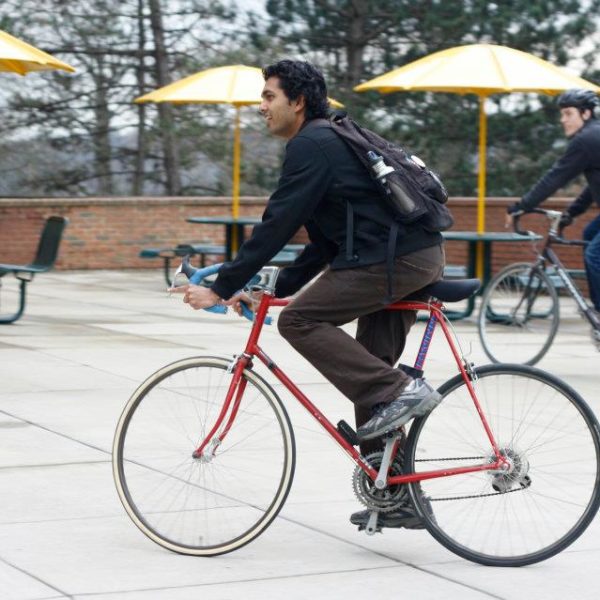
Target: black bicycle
(520, 308)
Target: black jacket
(320, 175)
(582, 156)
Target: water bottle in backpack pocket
(396, 190)
(414, 193)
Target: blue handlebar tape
(246, 312)
(250, 315)
(200, 274)
(217, 308)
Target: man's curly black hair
(299, 78)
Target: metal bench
(558, 282)
(455, 272)
(181, 250)
(287, 255)
(44, 260)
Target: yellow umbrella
(18, 57)
(481, 69)
(238, 85)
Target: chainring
(364, 488)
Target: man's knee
(591, 230)
(588, 232)
(288, 323)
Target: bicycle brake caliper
(470, 369)
(234, 361)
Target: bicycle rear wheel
(217, 503)
(552, 491)
(519, 315)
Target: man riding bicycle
(582, 156)
(320, 176)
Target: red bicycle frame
(252, 349)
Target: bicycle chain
(477, 495)
(450, 458)
(473, 495)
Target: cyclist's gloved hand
(565, 219)
(515, 209)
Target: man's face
(282, 116)
(572, 120)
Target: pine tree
(355, 40)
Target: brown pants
(361, 368)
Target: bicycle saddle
(452, 290)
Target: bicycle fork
(207, 449)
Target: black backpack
(412, 192)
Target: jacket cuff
(221, 290)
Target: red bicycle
(504, 472)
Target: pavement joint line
(88, 518)
(38, 579)
(81, 364)
(275, 578)
(52, 465)
(137, 311)
(64, 435)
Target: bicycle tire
(519, 315)
(195, 506)
(549, 498)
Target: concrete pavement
(67, 368)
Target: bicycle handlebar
(198, 277)
(540, 211)
(556, 230)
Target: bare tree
(171, 154)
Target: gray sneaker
(417, 399)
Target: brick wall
(108, 233)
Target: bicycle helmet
(578, 98)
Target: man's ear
(586, 114)
(300, 103)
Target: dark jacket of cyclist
(320, 175)
(581, 157)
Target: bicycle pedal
(347, 433)
(363, 527)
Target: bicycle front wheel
(223, 500)
(519, 315)
(551, 491)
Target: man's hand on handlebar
(250, 299)
(565, 220)
(512, 211)
(197, 296)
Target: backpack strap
(391, 248)
(349, 231)
(391, 255)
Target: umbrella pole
(481, 184)
(235, 211)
